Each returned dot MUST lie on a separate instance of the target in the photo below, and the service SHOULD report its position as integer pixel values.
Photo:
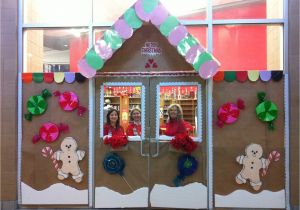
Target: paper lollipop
(266, 111)
(228, 113)
(49, 132)
(187, 165)
(114, 164)
(37, 104)
(69, 101)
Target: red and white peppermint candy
(68, 101)
(228, 113)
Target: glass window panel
(54, 50)
(184, 10)
(249, 47)
(57, 11)
(247, 9)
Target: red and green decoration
(37, 104)
(266, 110)
(169, 26)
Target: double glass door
(150, 171)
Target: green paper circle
(132, 19)
(112, 39)
(149, 5)
(202, 58)
(170, 23)
(266, 111)
(94, 60)
(36, 105)
(185, 44)
(229, 76)
(38, 77)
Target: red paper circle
(228, 113)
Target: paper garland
(58, 77)
(251, 75)
(144, 10)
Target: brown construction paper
(231, 140)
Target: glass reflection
(122, 110)
(178, 108)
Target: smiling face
(254, 150)
(136, 116)
(68, 144)
(113, 118)
(173, 112)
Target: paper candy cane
(273, 156)
(47, 152)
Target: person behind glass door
(175, 123)
(112, 126)
(134, 128)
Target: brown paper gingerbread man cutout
(70, 156)
(252, 163)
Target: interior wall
(8, 77)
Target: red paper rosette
(183, 142)
(116, 141)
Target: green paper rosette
(37, 104)
(266, 110)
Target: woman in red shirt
(112, 126)
(175, 124)
(134, 128)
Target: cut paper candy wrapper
(266, 111)
(37, 104)
(49, 132)
(229, 113)
(69, 101)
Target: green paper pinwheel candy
(266, 110)
(37, 104)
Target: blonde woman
(175, 123)
(134, 128)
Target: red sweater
(177, 126)
(114, 132)
(131, 127)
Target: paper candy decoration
(266, 111)
(69, 101)
(49, 132)
(113, 164)
(37, 104)
(187, 165)
(228, 113)
(169, 26)
(47, 152)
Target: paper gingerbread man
(69, 155)
(252, 163)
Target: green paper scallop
(266, 111)
(185, 44)
(149, 5)
(132, 19)
(170, 23)
(200, 59)
(113, 39)
(38, 77)
(94, 60)
(229, 76)
(36, 105)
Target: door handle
(142, 150)
(157, 147)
